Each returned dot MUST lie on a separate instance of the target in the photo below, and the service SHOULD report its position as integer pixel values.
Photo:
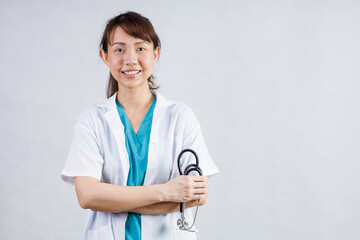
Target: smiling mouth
(131, 72)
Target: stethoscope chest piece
(182, 224)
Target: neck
(133, 99)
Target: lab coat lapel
(117, 129)
(152, 153)
(153, 161)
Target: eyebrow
(122, 43)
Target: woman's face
(131, 60)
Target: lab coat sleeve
(84, 158)
(193, 139)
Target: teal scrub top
(137, 147)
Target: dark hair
(136, 26)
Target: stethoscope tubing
(190, 168)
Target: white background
(274, 84)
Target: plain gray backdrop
(274, 84)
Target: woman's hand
(186, 188)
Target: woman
(123, 158)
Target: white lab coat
(98, 150)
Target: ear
(156, 54)
(104, 57)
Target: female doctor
(123, 158)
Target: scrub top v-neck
(137, 146)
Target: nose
(130, 57)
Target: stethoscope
(182, 222)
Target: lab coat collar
(161, 101)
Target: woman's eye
(119, 50)
(141, 49)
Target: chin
(131, 84)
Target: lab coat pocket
(183, 235)
(102, 233)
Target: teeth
(131, 72)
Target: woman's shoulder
(172, 106)
(178, 112)
(92, 114)
(100, 109)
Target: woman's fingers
(199, 178)
(187, 188)
(200, 185)
(200, 191)
(200, 188)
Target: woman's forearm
(152, 199)
(104, 197)
(166, 207)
